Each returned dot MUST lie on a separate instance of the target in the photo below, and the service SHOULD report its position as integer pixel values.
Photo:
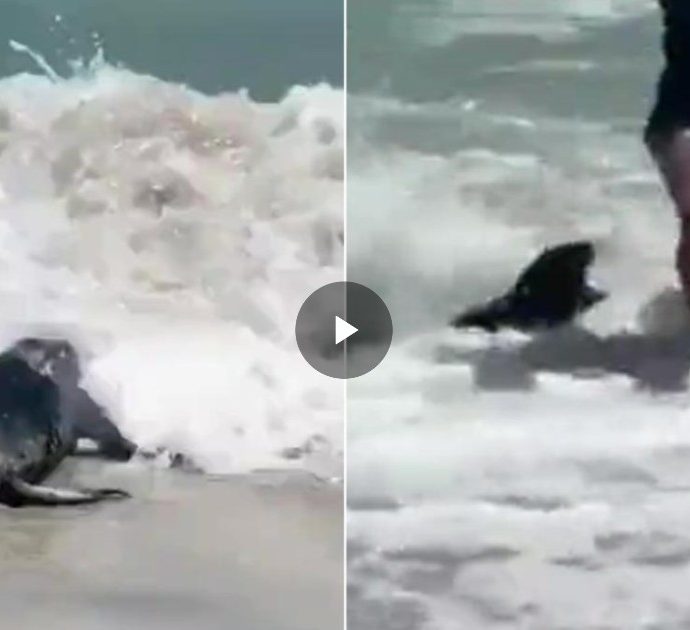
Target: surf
(171, 236)
(515, 478)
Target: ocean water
(513, 481)
(170, 219)
(212, 45)
(171, 185)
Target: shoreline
(185, 552)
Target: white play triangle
(343, 330)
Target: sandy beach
(187, 551)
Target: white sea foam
(440, 23)
(515, 481)
(173, 236)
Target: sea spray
(172, 236)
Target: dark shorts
(671, 111)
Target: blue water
(265, 46)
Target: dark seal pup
(58, 360)
(43, 413)
(551, 291)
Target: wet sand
(187, 552)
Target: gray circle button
(344, 330)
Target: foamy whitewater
(515, 482)
(172, 236)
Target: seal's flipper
(550, 291)
(91, 422)
(28, 494)
(489, 317)
(120, 449)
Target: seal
(58, 360)
(43, 413)
(551, 291)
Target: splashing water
(172, 236)
(513, 481)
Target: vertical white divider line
(345, 142)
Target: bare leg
(672, 156)
(683, 256)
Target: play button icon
(344, 330)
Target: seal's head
(54, 358)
